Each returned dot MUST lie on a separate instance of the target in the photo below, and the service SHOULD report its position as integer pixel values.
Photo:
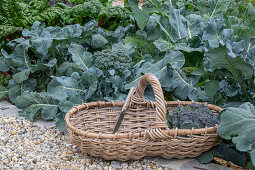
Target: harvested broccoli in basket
(193, 115)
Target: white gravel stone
(24, 145)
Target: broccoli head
(193, 115)
(108, 59)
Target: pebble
(24, 145)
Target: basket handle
(158, 93)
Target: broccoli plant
(112, 60)
(193, 115)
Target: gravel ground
(24, 145)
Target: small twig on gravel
(199, 168)
(4, 108)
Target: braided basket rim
(168, 132)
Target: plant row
(16, 15)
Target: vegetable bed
(58, 54)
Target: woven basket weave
(143, 132)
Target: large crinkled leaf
(235, 48)
(211, 87)
(20, 41)
(21, 76)
(250, 49)
(98, 41)
(221, 60)
(226, 151)
(186, 47)
(19, 58)
(180, 86)
(34, 104)
(44, 66)
(141, 16)
(162, 45)
(198, 94)
(66, 105)
(174, 58)
(117, 84)
(67, 68)
(116, 97)
(205, 157)
(95, 71)
(40, 37)
(72, 30)
(238, 124)
(249, 43)
(155, 21)
(119, 33)
(139, 72)
(81, 57)
(122, 46)
(16, 89)
(165, 78)
(252, 154)
(3, 92)
(63, 87)
(159, 69)
(250, 57)
(213, 8)
(171, 78)
(212, 32)
(51, 38)
(177, 28)
(226, 36)
(193, 25)
(4, 63)
(43, 43)
(152, 29)
(60, 121)
(91, 26)
(228, 89)
(35, 31)
(229, 153)
(90, 82)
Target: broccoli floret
(194, 114)
(108, 59)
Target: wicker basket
(143, 132)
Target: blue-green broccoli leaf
(41, 38)
(89, 81)
(21, 76)
(67, 104)
(211, 87)
(16, 89)
(3, 92)
(60, 121)
(238, 124)
(81, 57)
(176, 28)
(98, 41)
(67, 68)
(34, 104)
(63, 87)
